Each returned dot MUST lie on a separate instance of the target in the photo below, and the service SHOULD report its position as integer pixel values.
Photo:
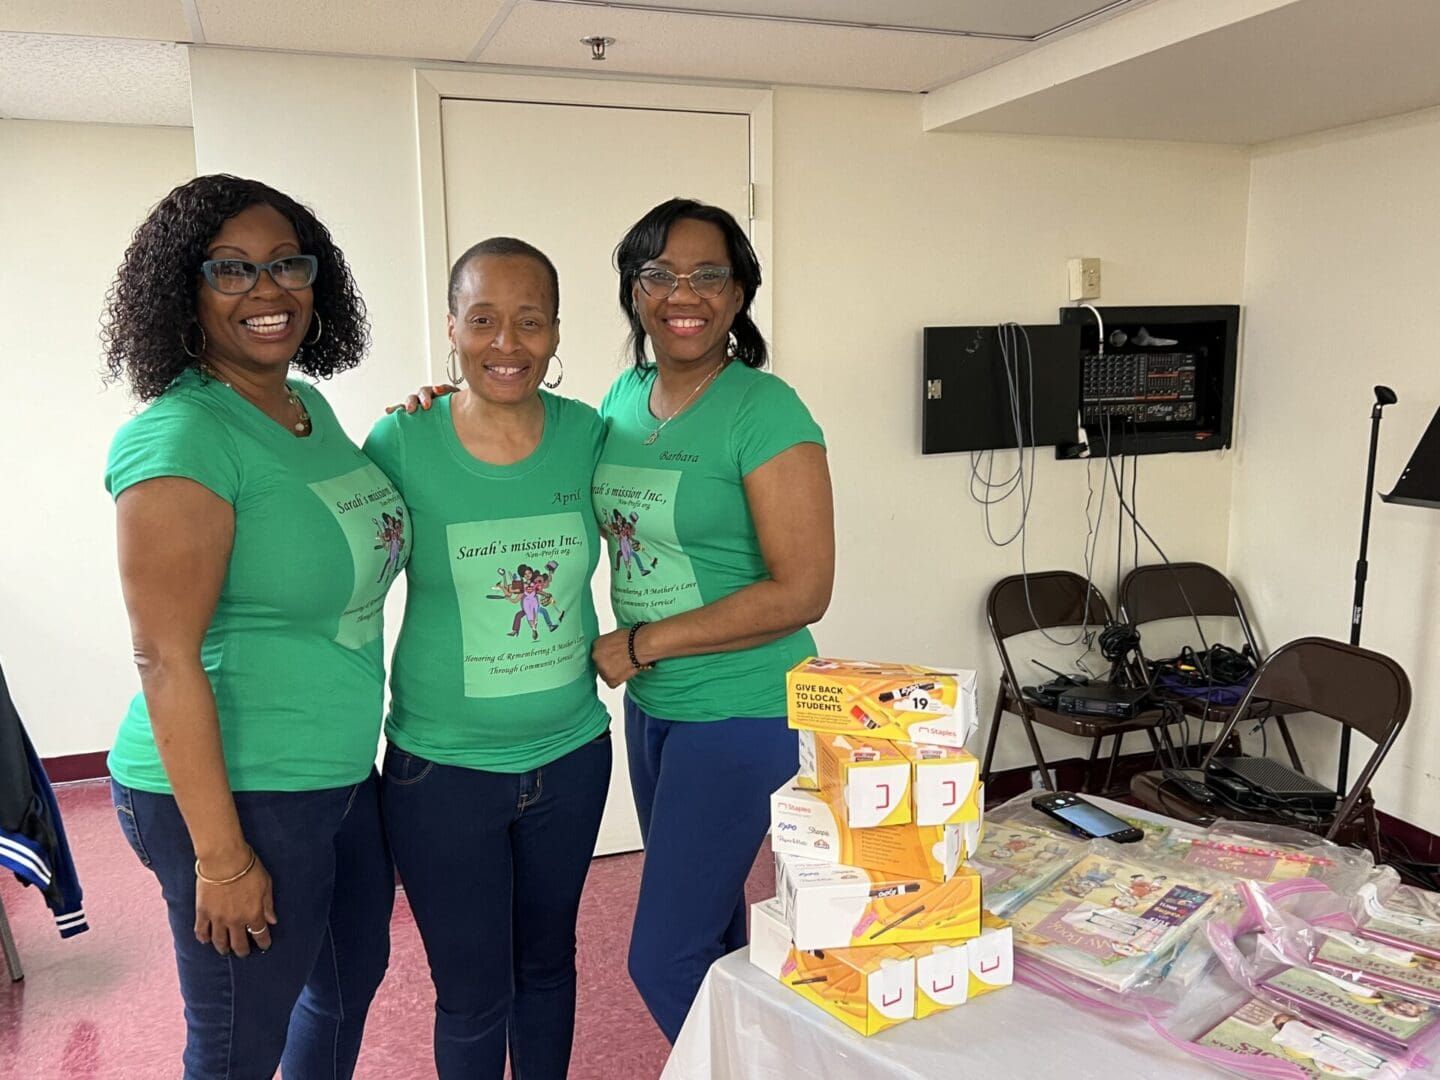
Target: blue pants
(493, 865)
(302, 1004)
(702, 792)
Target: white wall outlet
(1084, 278)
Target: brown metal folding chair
(1191, 590)
(1362, 690)
(1056, 600)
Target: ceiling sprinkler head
(598, 45)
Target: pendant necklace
(301, 425)
(650, 439)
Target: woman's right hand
(422, 398)
(223, 912)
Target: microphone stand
(1383, 396)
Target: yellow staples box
(942, 975)
(882, 701)
(945, 787)
(950, 973)
(869, 989)
(769, 936)
(803, 823)
(834, 907)
(867, 780)
(992, 956)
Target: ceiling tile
(159, 20)
(94, 80)
(423, 29)
(975, 16)
(539, 34)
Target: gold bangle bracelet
(229, 880)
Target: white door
(570, 179)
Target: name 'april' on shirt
(360, 500)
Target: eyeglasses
(232, 276)
(708, 281)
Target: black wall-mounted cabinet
(1165, 381)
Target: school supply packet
(1107, 919)
(899, 702)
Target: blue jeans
(302, 1004)
(493, 865)
(702, 792)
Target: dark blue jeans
(702, 791)
(302, 1004)
(493, 865)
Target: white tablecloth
(747, 1026)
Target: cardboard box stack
(877, 917)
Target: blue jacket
(32, 838)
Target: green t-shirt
(493, 669)
(294, 651)
(680, 532)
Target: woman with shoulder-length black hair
(714, 482)
(256, 547)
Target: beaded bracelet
(630, 645)
(229, 880)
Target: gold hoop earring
(319, 330)
(185, 341)
(558, 378)
(455, 380)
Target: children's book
(1243, 858)
(1107, 919)
(1386, 1019)
(1261, 1030)
(1378, 964)
(1016, 861)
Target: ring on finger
(256, 932)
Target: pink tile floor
(105, 1005)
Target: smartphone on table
(1085, 817)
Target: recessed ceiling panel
(1300, 68)
(422, 29)
(160, 20)
(94, 80)
(1020, 18)
(683, 46)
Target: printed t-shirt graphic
(537, 568)
(372, 516)
(294, 649)
(651, 576)
(680, 534)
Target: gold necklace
(302, 423)
(650, 439)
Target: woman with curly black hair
(255, 565)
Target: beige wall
(1340, 294)
(348, 150)
(881, 230)
(70, 196)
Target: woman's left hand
(611, 653)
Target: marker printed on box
(896, 922)
(899, 702)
